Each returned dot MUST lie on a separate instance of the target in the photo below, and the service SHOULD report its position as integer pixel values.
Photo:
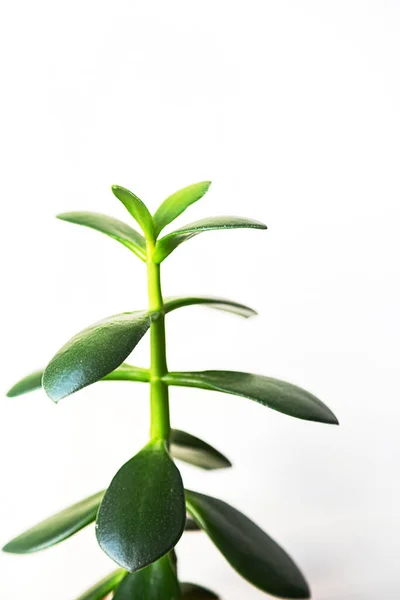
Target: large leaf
(112, 227)
(158, 581)
(102, 588)
(169, 242)
(250, 551)
(191, 591)
(94, 353)
(193, 450)
(56, 528)
(136, 208)
(174, 302)
(31, 382)
(174, 205)
(142, 515)
(278, 395)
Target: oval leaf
(112, 227)
(136, 208)
(156, 582)
(191, 591)
(168, 243)
(174, 205)
(102, 588)
(194, 451)
(250, 551)
(142, 515)
(26, 384)
(278, 395)
(94, 353)
(56, 528)
(172, 303)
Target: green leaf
(191, 591)
(136, 208)
(112, 227)
(278, 395)
(174, 205)
(142, 515)
(102, 588)
(26, 384)
(194, 451)
(250, 551)
(56, 528)
(94, 353)
(158, 581)
(174, 302)
(169, 242)
(191, 525)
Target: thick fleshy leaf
(174, 302)
(94, 353)
(250, 551)
(112, 227)
(31, 382)
(56, 528)
(136, 208)
(142, 515)
(174, 205)
(102, 588)
(278, 395)
(193, 450)
(158, 581)
(191, 591)
(172, 240)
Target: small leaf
(57, 528)
(250, 551)
(112, 227)
(194, 451)
(136, 208)
(278, 395)
(174, 205)
(168, 243)
(26, 384)
(191, 591)
(191, 525)
(94, 353)
(172, 303)
(102, 588)
(158, 581)
(142, 515)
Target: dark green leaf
(172, 303)
(156, 582)
(102, 588)
(94, 353)
(142, 515)
(191, 525)
(174, 205)
(172, 240)
(112, 227)
(191, 591)
(56, 528)
(250, 551)
(192, 450)
(26, 384)
(278, 395)
(136, 208)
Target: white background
(291, 108)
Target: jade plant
(145, 510)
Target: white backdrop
(292, 110)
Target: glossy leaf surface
(136, 208)
(169, 242)
(174, 302)
(194, 451)
(174, 205)
(142, 515)
(31, 382)
(250, 551)
(156, 582)
(56, 528)
(102, 588)
(94, 353)
(278, 395)
(191, 591)
(118, 230)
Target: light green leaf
(172, 303)
(136, 208)
(26, 384)
(250, 551)
(158, 581)
(194, 451)
(172, 240)
(278, 395)
(56, 528)
(174, 205)
(112, 227)
(102, 588)
(191, 591)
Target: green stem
(159, 400)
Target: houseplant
(145, 510)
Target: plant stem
(159, 400)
